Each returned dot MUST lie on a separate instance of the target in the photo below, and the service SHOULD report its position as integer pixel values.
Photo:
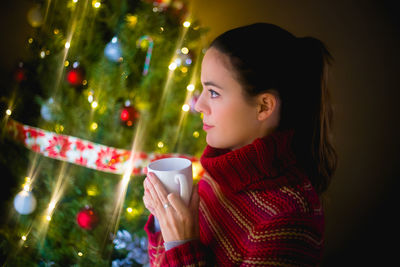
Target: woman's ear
(267, 103)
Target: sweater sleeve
(191, 253)
(287, 240)
(155, 240)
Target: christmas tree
(108, 87)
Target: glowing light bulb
(23, 237)
(67, 45)
(42, 54)
(93, 126)
(27, 184)
(96, 4)
(185, 50)
(8, 112)
(129, 210)
(196, 134)
(190, 87)
(80, 254)
(92, 190)
(160, 144)
(48, 217)
(172, 66)
(185, 107)
(94, 104)
(186, 24)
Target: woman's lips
(206, 127)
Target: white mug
(175, 174)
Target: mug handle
(184, 187)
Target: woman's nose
(200, 105)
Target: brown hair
(267, 57)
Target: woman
(267, 114)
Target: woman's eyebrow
(210, 83)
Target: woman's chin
(215, 143)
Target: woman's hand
(177, 221)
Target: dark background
(363, 37)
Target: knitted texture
(257, 208)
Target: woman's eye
(213, 93)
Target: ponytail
(313, 142)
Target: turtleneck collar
(252, 165)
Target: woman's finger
(178, 204)
(148, 205)
(159, 192)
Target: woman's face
(229, 120)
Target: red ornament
(20, 75)
(87, 218)
(129, 115)
(75, 77)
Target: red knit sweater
(257, 208)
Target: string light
(185, 107)
(48, 217)
(8, 112)
(96, 4)
(59, 128)
(80, 254)
(90, 97)
(93, 126)
(23, 237)
(66, 63)
(160, 144)
(133, 211)
(196, 134)
(172, 66)
(131, 20)
(27, 184)
(94, 104)
(190, 87)
(185, 50)
(67, 45)
(186, 24)
(92, 190)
